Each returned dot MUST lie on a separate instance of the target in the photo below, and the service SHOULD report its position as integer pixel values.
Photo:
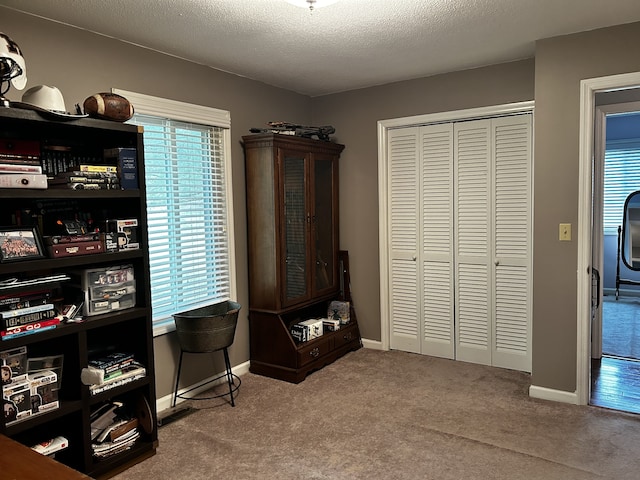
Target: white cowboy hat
(45, 99)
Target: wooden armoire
(293, 253)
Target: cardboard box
(13, 365)
(16, 402)
(330, 324)
(339, 310)
(307, 330)
(44, 391)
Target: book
(110, 360)
(86, 186)
(51, 446)
(130, 374)
(15, 283)
(19, 168)
(126, 161)
(24, 299)
(10, 332)
(27, 332)
(95, 168)
(17, 312)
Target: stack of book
(20, 165)
(87, 177)
(26, 313)
(112, 371)
(113, 430)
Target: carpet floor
(395, 415)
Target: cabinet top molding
(258, 140)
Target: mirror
(630, 244)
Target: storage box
(339, 310)
(330, 324)
(13, 365)
(127, 232)
(307, 330)
(16, 402)
(108, 289)
(44, 391)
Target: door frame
(597, 249)
(588, 89)
(383, 186)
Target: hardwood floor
(615, 384)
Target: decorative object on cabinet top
(286, 128)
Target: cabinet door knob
(497, 262)
(414, 258)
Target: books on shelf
(49, 447)
(128, 374)
(36, 327)
(30, 298)
(15, 283)
(26, 316)
(113, 429)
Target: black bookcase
(82, 140)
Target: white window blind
(621, 177)
(187, 172)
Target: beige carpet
(394, 415)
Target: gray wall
(81, 64)
(561, 63)
(355, 115)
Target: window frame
(188, 112)
(623, 145)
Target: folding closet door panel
(472, 192)
(512, 242)
(436, 144)
(405, 305)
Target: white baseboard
(545, 393)
(372, 344)
(165, 402)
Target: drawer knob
(347, 337)
(315, 352)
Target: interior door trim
(588, 89)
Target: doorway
(615, 342)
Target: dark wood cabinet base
(297, 375)
(275, 354)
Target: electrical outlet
(565, 232)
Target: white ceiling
(348, 45)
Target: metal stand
(231, 379)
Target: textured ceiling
(347, 45)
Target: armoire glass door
(295, 224)
(323, 220)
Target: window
(621, 177)
(188, 179)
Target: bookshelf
(117, 330)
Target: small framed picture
(20, 243)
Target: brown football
(108, 106)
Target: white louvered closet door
(404, 303)
(473, 239)
(511, 138)
(436, 142)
